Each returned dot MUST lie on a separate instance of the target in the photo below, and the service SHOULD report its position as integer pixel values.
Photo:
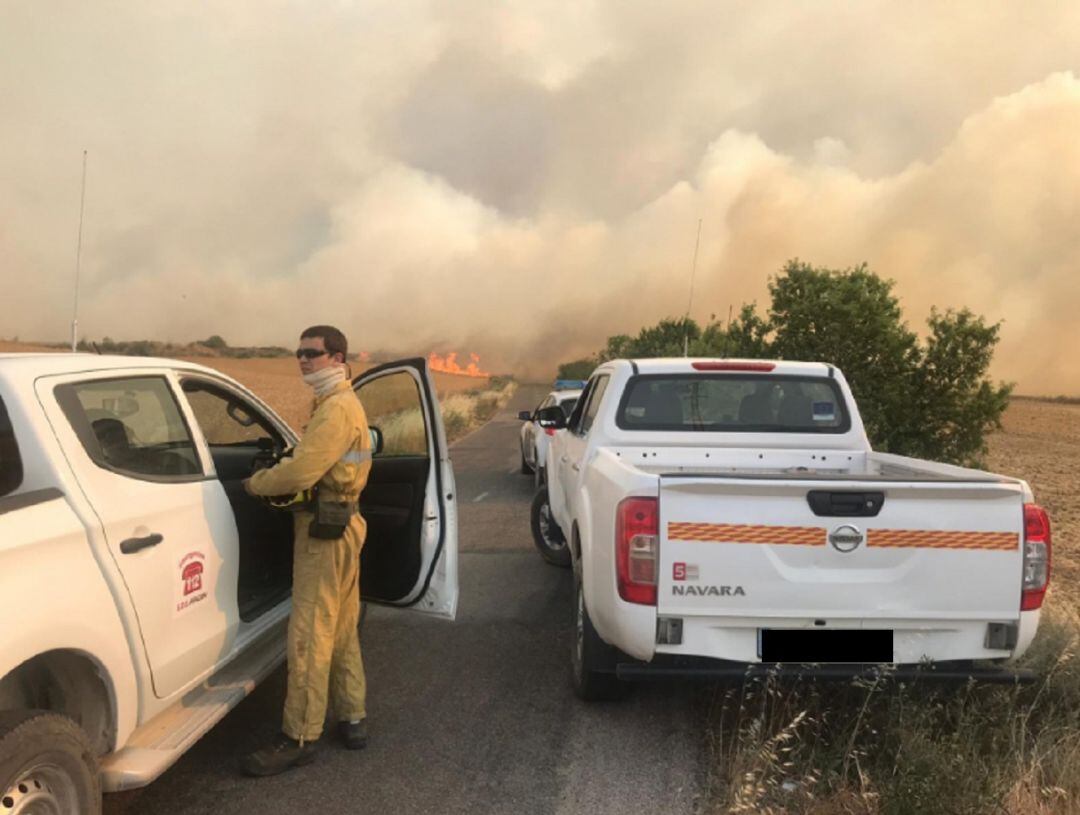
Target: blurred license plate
(802, 645)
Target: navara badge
(846, 538)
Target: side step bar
(901, 673)
(157, 744)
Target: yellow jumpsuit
(323, 641)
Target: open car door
(409, 559)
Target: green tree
(578, 369)
(665, 339)
(850, 319)
(215, 341)
(957, 403)
(930, 398)
(747, 336)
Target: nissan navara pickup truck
(143, 593)
(728, 517)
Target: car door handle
(132, 545)
(577, 468)
(563, 459)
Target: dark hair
(333, 340)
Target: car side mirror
(551, 418)
(376, 440)
(525, 416)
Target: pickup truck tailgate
(754, 547)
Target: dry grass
(277, 381)
(1040, 442)
(466, 402)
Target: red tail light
(1036, 557)
(637, 549)
(550, 431)
(733, 366)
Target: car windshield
(733, 403)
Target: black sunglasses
(309, 353)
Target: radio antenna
(78, 256)
(690, 303)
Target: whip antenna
(78, 255)
(690, 303)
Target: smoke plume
(521, 180)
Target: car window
(11, 471)
(568, 406)
(224, 418)
(574, 422)
(394, 405)
(593, 406)
(733, 403)
(132, 426)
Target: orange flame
(449, 365)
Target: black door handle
(132, 545)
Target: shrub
(930, 399)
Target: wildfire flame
(449, 365)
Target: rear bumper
(737, 639)
(715, 669)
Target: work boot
(353, 734)
(278, 756)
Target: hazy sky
(522, 179)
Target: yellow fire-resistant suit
(324, 645)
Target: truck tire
(546, 534)
(592, 661)
(46, 765)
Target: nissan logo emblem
(846, 538)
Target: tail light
(550, 431)
(637, 549)
(1036, 557)
(720, 365)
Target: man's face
(309, 365)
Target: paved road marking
(480, 497)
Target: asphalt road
(471, 716)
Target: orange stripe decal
(818, 536)
(747, 533)
(921, 539)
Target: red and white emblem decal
(190, 585)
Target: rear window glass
(733, 403)
(568, 405)
(11, 471)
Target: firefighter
(333, 460)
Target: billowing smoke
(521, 180)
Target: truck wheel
(46, 766)
(525, 468)
(592, 660)
(546, 533)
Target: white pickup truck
(143, 593)
(728, 517)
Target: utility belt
(332, 517)
(333, 512)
